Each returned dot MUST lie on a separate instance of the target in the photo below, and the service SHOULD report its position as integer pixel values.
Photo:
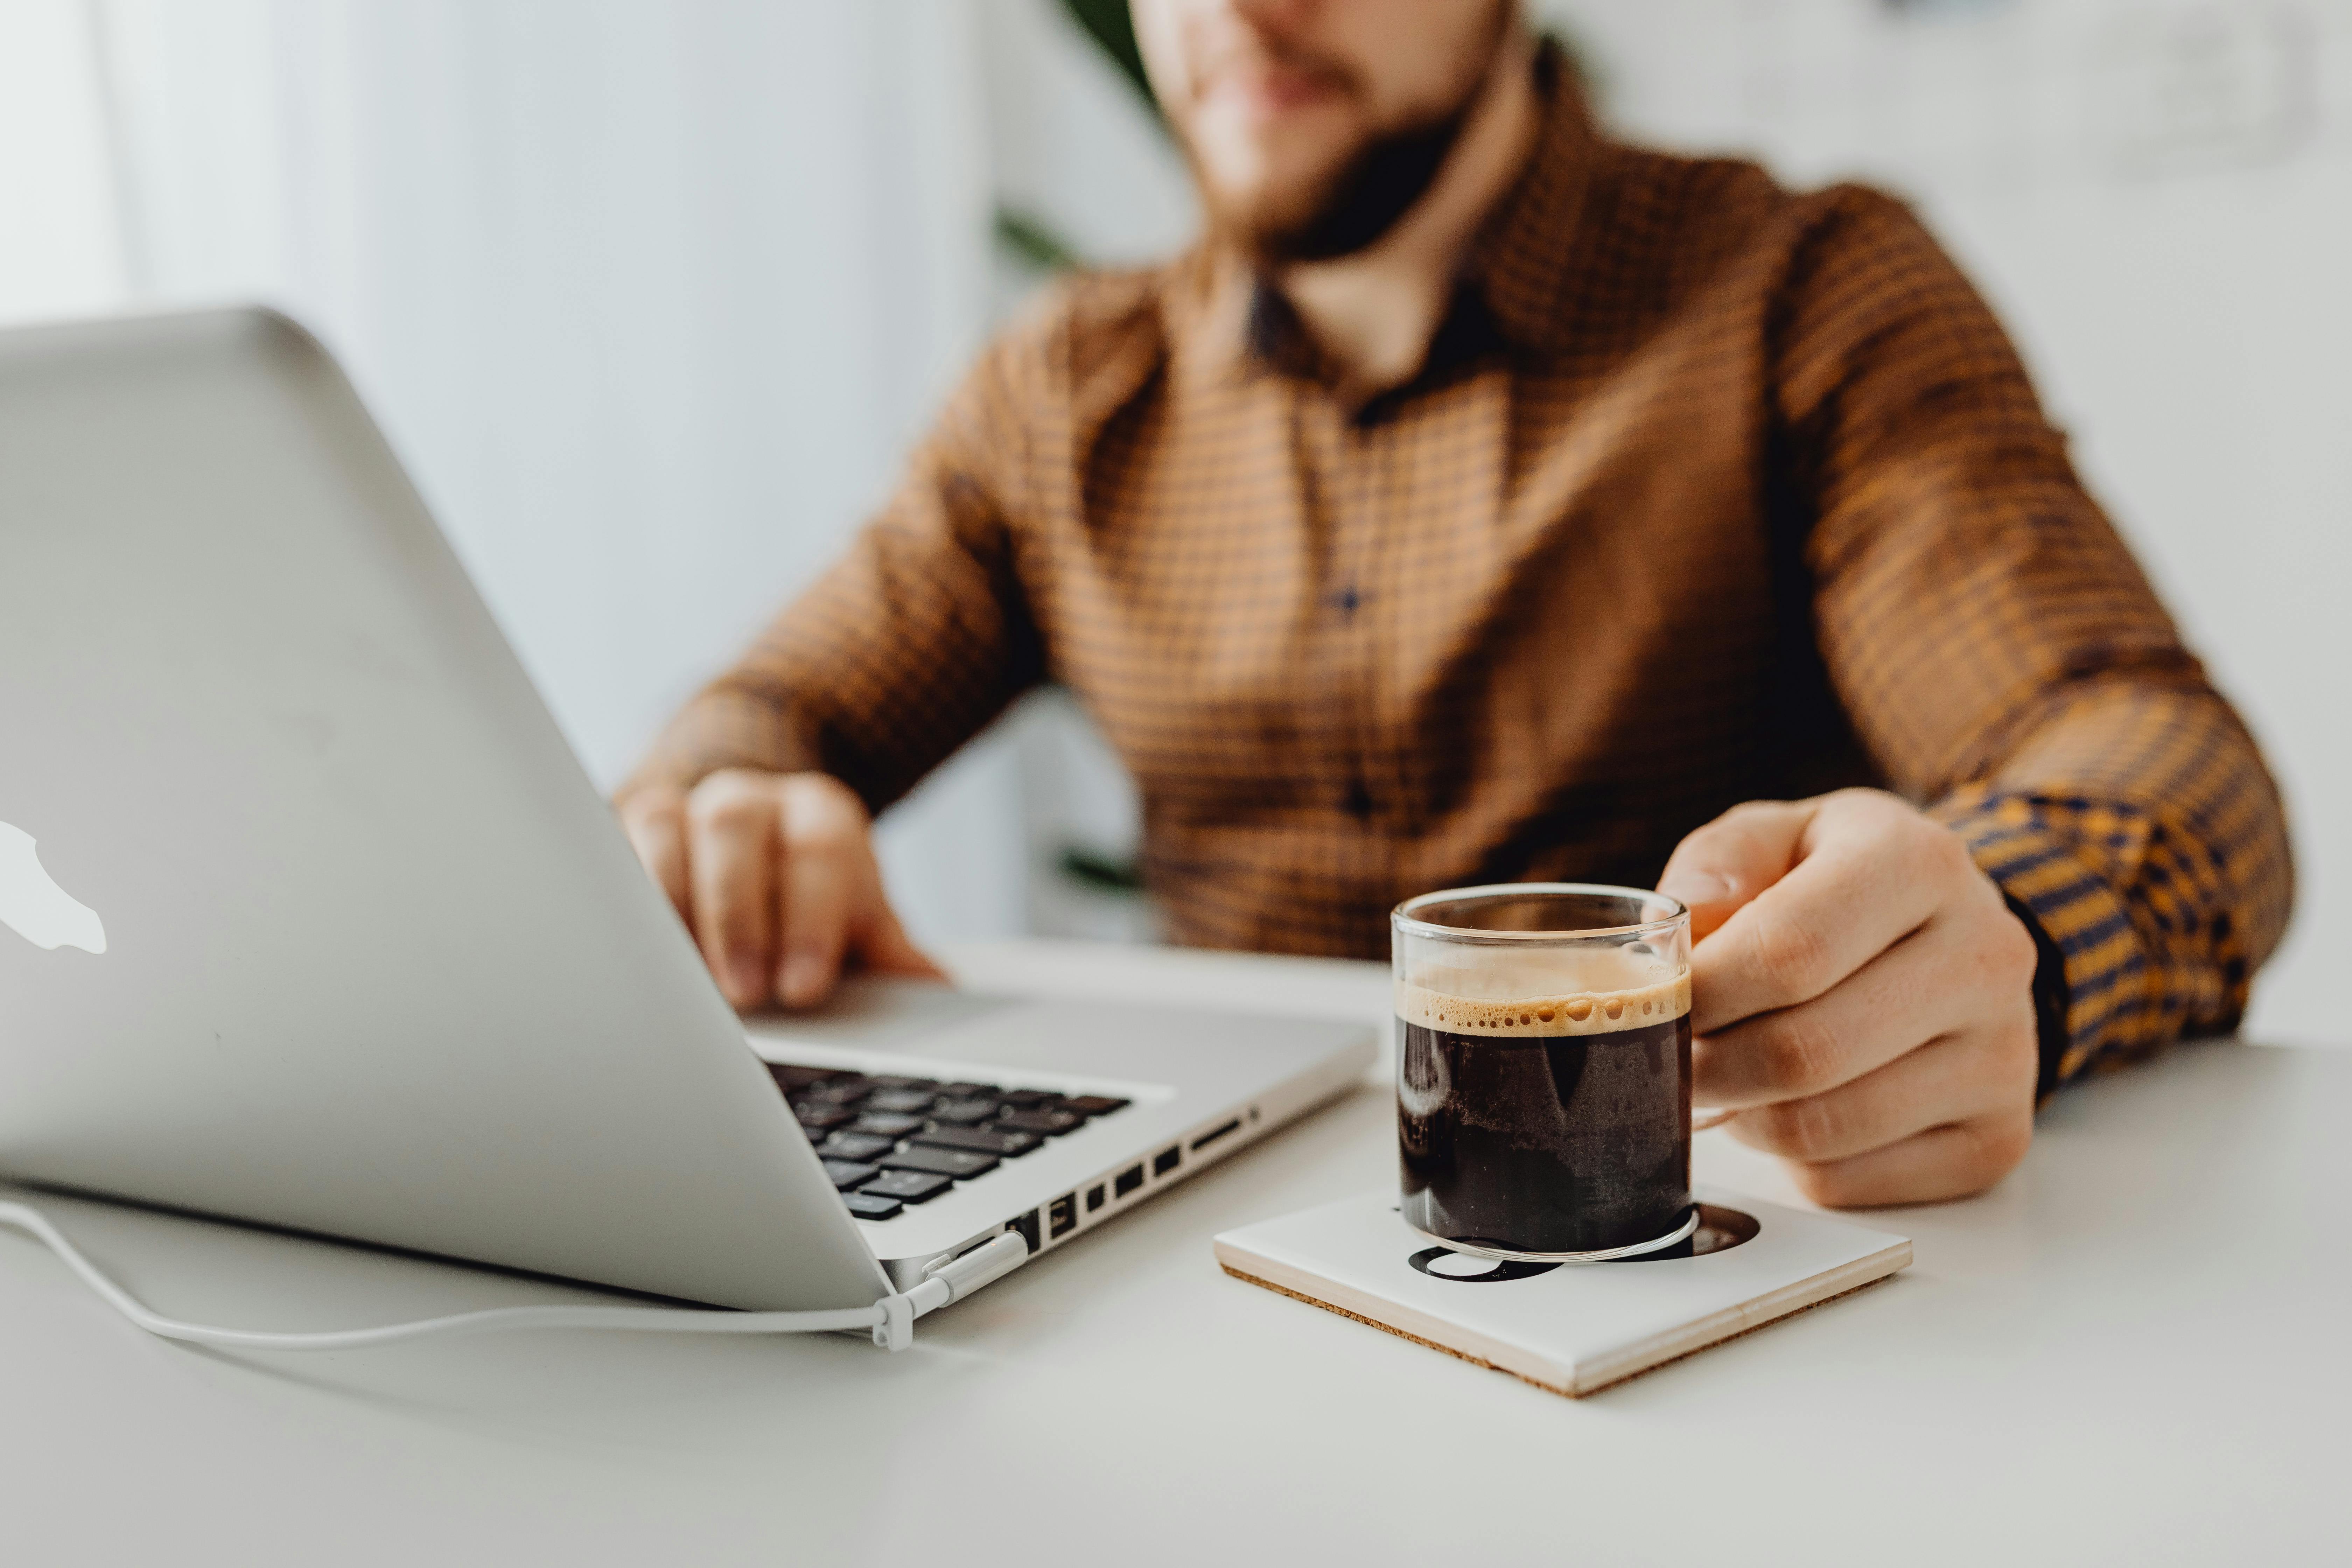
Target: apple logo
(35, 907)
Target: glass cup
(1544, 1070)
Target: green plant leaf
(1100, 872)
(1107, 22)
(1028, 237)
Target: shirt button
(1359, 803)
(1348, 600)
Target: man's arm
(2005, 662)
(753, 809)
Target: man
(1485, 501)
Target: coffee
(1557, 1121)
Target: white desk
(2133, 1350)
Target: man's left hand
(1862, 996)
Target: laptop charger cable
(891, 1318)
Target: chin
(1266, 175)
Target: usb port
(1128, 1179)
(1213, 1133)
(1094, 1196)
(1165, 1160)
(1062, 1216)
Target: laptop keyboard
(887, 1142)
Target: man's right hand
(774, 875)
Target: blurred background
(652, 294)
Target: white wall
(2157, 196)
(650, 296)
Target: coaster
(1570, 1328)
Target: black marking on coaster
(1719, 1230)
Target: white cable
(891, 1318)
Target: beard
(1367, 193)
(1364, 198)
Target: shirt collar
(1524, 257)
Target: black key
(1009, 1144)
(900, 1101)
(964, 1112)
(872, 1206)
(960, 1163)
(1052, 1123)
(885, 1125)
(847, 1089)
(1093, 1104)
(819, 1117)
(923, 1083)
(848, 1174)
(1023, 1099)
(792, 1079)
(856, 1146)
(967, 1092)
(906, 1186)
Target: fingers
(655, 820)
(884, 947)
(1956, 1160)
(1868, 869)
(824, 853)
(782, 891)
(1923, 987)
(733, 854)
(1730, 860)
(1961, 1078)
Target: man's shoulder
(1686, 215)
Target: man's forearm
(2139, 830)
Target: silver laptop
(308, 916)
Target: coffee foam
(1549, 1011)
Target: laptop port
(1165, 1160)
(1094, 1196)
(1128, 1179)
(1062, 1215)
(1027, 1226)
(1213, 1133)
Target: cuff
(2089, 951)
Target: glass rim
(1405, 922)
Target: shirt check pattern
(1708, 492)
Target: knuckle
(1795, 957)
(1808, 1129)
(1796, 1052)
(728, 801)
(2013, 950)
(1995, 1148)
(651, 807)
(820, 808)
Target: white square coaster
(1574, 1328)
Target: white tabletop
(2133, 1350)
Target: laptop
(308, 916)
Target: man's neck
(1375, 314)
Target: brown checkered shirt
(1707, 493)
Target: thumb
(882, 946)
(1720, 867)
